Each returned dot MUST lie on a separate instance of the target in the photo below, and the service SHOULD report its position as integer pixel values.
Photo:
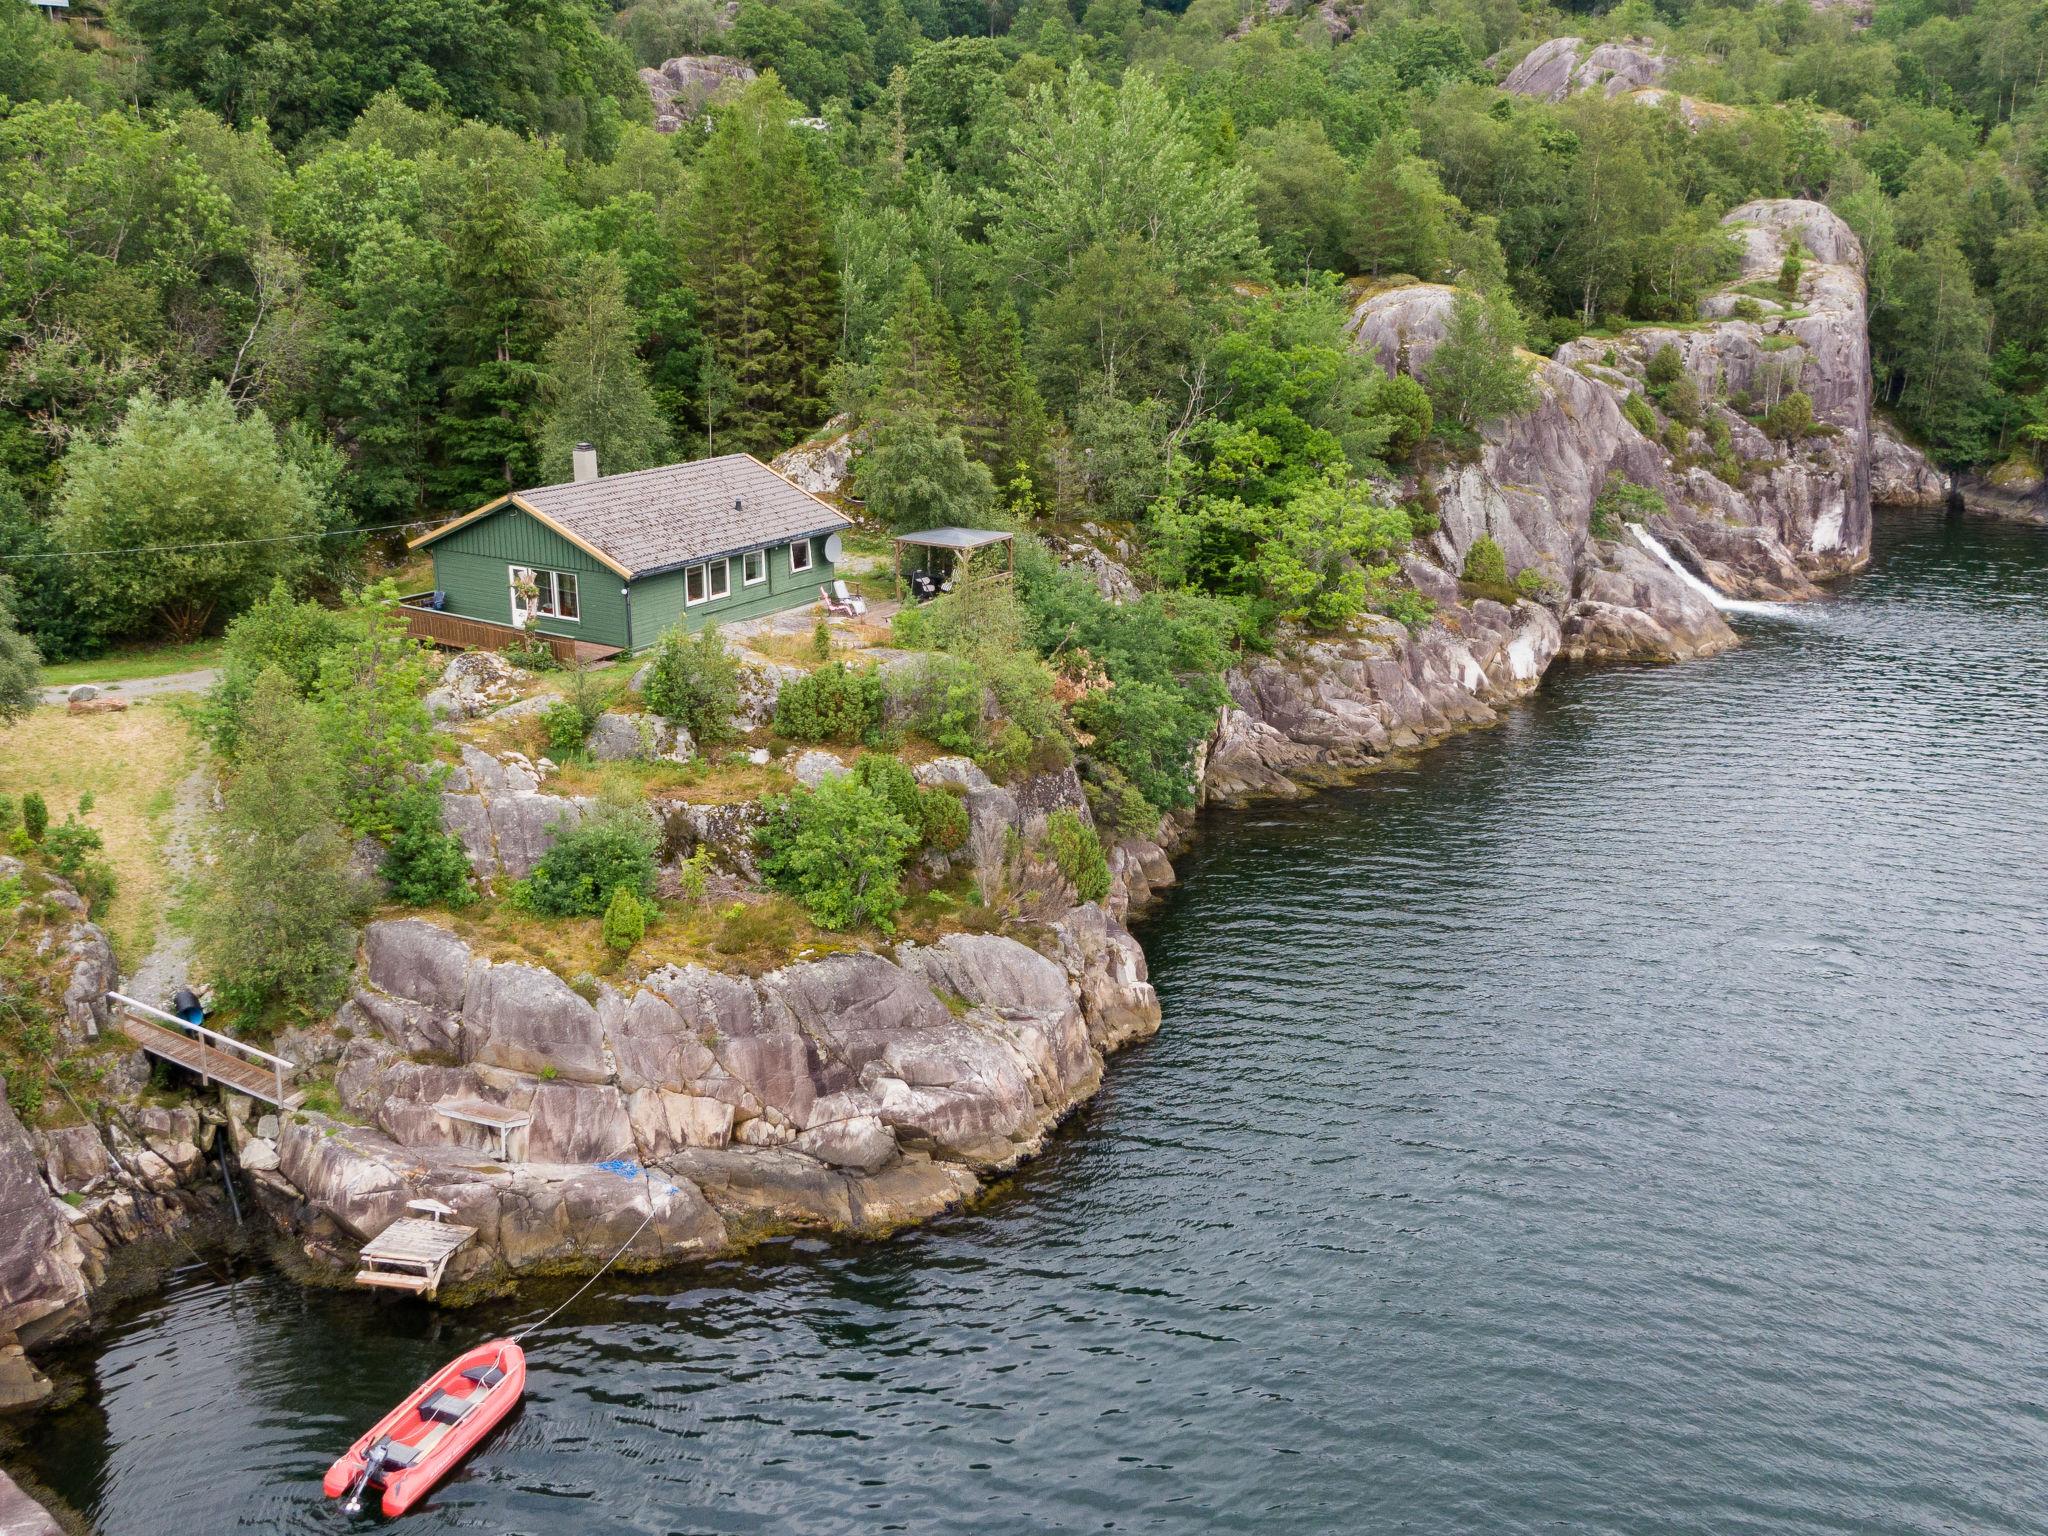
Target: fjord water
(1628, 1119)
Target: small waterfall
(1726, 604)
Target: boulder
(412, 958)
(1564, 66)
(814, 767)
(620, 737)
(474, 683)
(74, 1158)
(681, 86)
(526, 1019)
(824, 463)
(1900, 474)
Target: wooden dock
(241, 1067)
(412, 1253)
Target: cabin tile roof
(651, 520)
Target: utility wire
(165, 549)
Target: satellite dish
(833, 547)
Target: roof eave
(740, 549)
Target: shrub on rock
(625, 921)
(577, 877)
(1486, 563)
(424, 864)
(830, 704)
(694, 682)
(1077, 851)
(839, 850)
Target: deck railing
(459, 633)
(278, 1065)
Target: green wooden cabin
(617, 560)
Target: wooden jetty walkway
(215, 1057)
(411, 1253)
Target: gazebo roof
(954, 538)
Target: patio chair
(833, 605)
(855, 605)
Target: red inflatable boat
(419, 1442)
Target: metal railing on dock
(216, 1057)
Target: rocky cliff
(1755, 516)
(1565, 66)
(857, 1091)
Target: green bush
(891, 782)
(625, 921)
(1115, 802)
(1149, 732)
(1077, 851)
(1486, 563)
(577, 876)
(695, 683)
(8, 811)
(831, 704)
(839, 850)
(35, 815)
(1747, 308)
(1791, 418)
(423, 864)
(945, 700)
(565, 727)
(821, 641)
(1402, 405)
(1791, 269)
(1533, 584)
(67, 845)
(1665, 367)
(942, 820)
(1622, 501)
(1637, 410)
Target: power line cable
(165, 549)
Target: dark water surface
(1632, 1119)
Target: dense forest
(274, 273)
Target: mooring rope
(607, 1264)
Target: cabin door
(525, 595)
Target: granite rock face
(1900, 474)
(1565, 66)
(43, 1286)
(495, 806)
(1802, 509)
(681, 86)
(859, 1090)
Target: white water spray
(1726, 604)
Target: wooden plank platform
(411, 1254)
(492, 1116)
(214, 1065)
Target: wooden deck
(211, 1063)
(411, 1254)
(457, 633)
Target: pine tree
(498, 266)
(763, 269)
(1004, 419)
(920, 368)
(594, 387)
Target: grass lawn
(134, 662)
(131, 764)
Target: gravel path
(168, 966)
(143, 687)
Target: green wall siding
(471, 566)
(658, 600)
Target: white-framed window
(554, 596)
(753, 567)
(800, 555)
(702, 583)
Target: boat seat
(398, 1455)
(446, 1407)
(485, 1376)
